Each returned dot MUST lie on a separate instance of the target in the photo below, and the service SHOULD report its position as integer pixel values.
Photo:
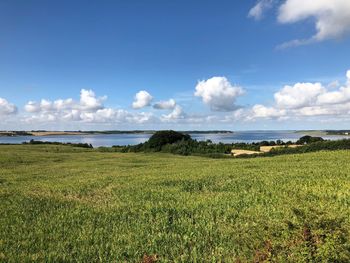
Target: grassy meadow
(66, 204)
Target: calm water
(132, 139)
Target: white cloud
(332, 17)
(260, 8)
(88, 100)
(105, 115)
(314, 111)
(46, 105)
(333, 97)
(67, 104)
(89, 109)
(176, 114)
(261, 111)
(72, 115)
(142, 99)
(41, 118)
(165, 105)
(306, 100)
(32, 106)
(218, 93)
(7, 108)
(140, 118)
(298, 95)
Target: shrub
(309, 139)
(161, 138)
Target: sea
(97, 140)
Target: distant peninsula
(324, 132)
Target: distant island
(53, 133)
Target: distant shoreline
(313, 132)
(59, 133)
(324, 132)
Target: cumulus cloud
(142, 99)
(32, 106)
(260, 8)
(47, 105)
(104, 115)
(89, 101)
(298, 95)
(261, 111)
(7, 108)
(165, 105)
(306, 100)
(218, 93)
(333, 97)
(176, 114)
(332, 17)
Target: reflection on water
(131, 139)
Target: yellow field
(240, 152)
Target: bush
(309, 139)
(161, 138)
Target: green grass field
(65, 204)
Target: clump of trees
(307, 139)
(162, 138)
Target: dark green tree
(309, 139)
(161, 138)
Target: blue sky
(52, 50)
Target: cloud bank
(295, 102)
(89, 109)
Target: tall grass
(66, 204)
